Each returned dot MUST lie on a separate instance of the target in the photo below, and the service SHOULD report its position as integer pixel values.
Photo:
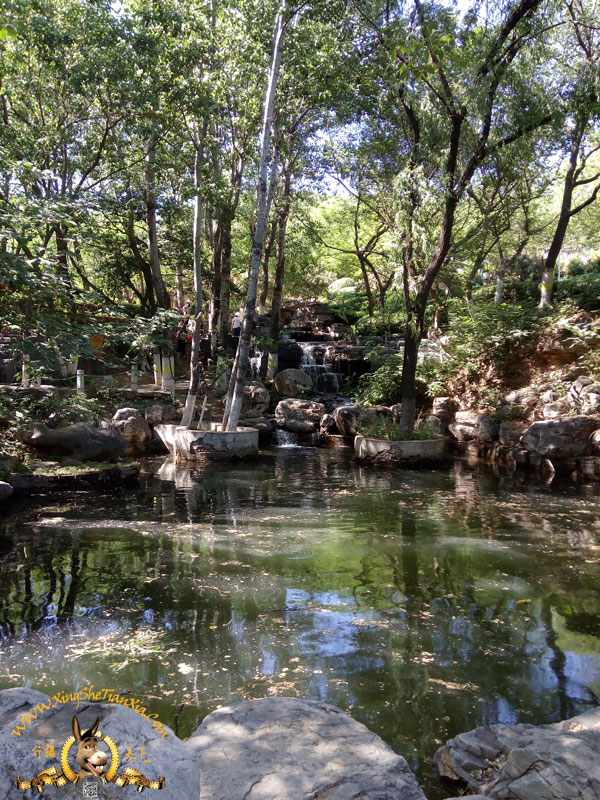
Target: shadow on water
(424, 603)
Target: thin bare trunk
(236, 385)
(190, 402)
(162, 297)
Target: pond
(424, 603)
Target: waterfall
(324, 380)
(255, 364)
(285, 439)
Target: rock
(5, 490)
(510, 432)
(556, 409)
(327, 424)
(444, 408)
(524, 762)
(283, 748)
(350, 419)
(132, 426)
(595, 442)
(158, 414)
(560, 439)
(289, 354)
(522, 397)
(255, 401)
(264, 425)
(299, 416)
(82, 441)
(469, 425)
(168, 757)
(293, 382)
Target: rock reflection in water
(426, 603)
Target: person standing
(236, 325)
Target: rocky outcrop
(255, 401)
(293, 383)
(469, 425)
(299, 416)
(277, 748)
(82, 441)
(133, 427)
(283, 748)
(561, 439)
(527, 762)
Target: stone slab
(283, 748)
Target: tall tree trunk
(162, 297)
(225, 298)
(368, 290)
(190, 402)
(549, 263)
(264, 289)
(236, 385)
(282, 220)
(215, 289)
(179, 294)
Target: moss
(89, 466)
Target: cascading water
(324, 380)
(255, 364)
(285, 438)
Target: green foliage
(386, 428)
(583, 289)
(380, 324)
(509, 414)
(384, 386)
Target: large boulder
(293, 383)
(82, 441)
(525, 762)
(354, 419)
(510, 432)
(444, 408)
(5, 490)
(584, 395)
(255, 401)
(299, 416)
(132, 426)
(469, 425)
(560, 439)
(51, 723)
(284, 748)
(289, 353)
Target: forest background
(421, 166)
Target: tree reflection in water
(425, 603)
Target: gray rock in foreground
(169, 756)
(527, 762)
(81, 441)
(281, 748)
(5, 490)
(278, 748)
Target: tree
(458, 87)
(581, 134)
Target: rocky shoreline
(284, 748)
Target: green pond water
(424, 603)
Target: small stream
(423, 603)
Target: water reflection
(424, 603)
